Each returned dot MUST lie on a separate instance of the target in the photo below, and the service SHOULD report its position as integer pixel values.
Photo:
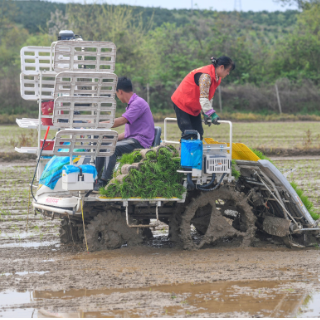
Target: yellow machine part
(239, 150)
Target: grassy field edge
(241, 117)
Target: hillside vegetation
(159, 47)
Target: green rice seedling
(156, 177)
(130, 158)
(305, 200)
(261, 155)
(234, 171)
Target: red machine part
(47, 110)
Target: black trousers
(188, 122)
(108, 163)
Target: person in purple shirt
(138, 132)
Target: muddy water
(234, 299)
(18, 225)
(41, 278)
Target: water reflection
(310, 307)
(232, 299)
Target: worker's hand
(215, 119)
(207, 120)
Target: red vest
(187, 95)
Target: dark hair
(223, 61)
(124, 84)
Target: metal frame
(52, 209)
(95, 142)
(165, 131)
(37, 65)
(67, 57)
(272, 180)
(212, 148)
(70, 83)
(91, 109)
(158, 204)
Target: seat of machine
(157, 136)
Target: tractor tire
(109, 230)
(68, 232)
(205, 219)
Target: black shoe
(99, 184)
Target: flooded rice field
(39, 277)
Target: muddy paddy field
(39, 277)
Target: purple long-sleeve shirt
(140, 124)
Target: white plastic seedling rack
(30, 85)
(27, 123)
(36, 59)
(71, 83)
(36, 83)
(35, 87)
(95, 111)
(39, 81)
(94, 143)
(92, 55)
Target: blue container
(191, 154)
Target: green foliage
(33, 15)
(122, 26)
(305, 200)
(156, 177)
(160, 47)
(296, 56)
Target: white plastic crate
(35, 59)
(92, 84)
(74, 182)
(218, 164)
(71, 112)
(30, 86)
(92, 142)
(86, 55)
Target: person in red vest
(194, 93)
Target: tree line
(158, 47)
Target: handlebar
(176, 142)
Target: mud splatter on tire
(221, 201)
(68, 232)
(109, 230)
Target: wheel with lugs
(68, 232)
(209, 217)
(109, 230)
